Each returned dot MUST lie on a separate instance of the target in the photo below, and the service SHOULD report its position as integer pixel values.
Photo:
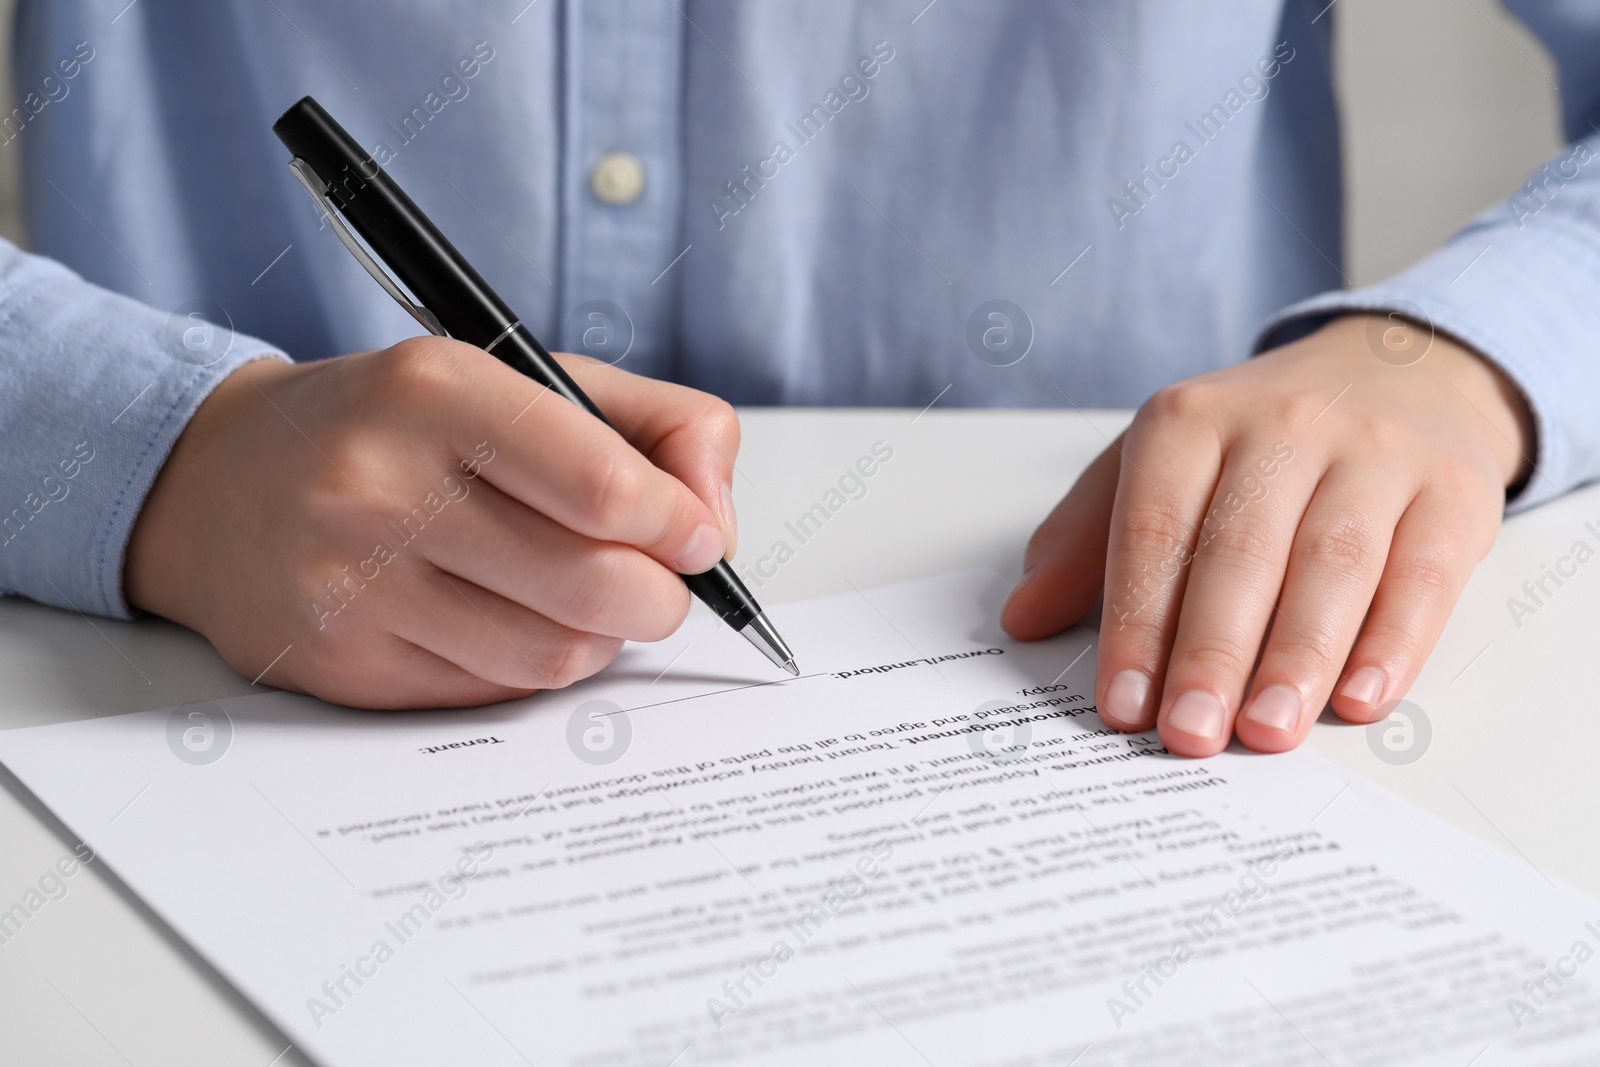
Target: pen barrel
(379, 210)
(721, 590)
(522, 352)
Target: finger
(691, 435)
(1234, 581)
(495, 639)
(1334, 567)
(597, 587)
(1063, 569)
(1437, 542)
(389, 673)
(1166, 477)
(1160, 498)
(550, 454)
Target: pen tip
(759, 632)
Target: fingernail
(1198, 713)
(702, 552)
(1277, 706)
(1027, 572)
(1006, 607)
(1365, 686)
(1126, 698)
(730, 520)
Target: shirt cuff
(97, 389)
(1526, 301)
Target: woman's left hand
(1286, 530)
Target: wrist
(163, 553)
(1503, 422)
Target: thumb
(1063, 570)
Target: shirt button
(617, 178)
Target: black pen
(453, 301)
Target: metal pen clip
(319, 192)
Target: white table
(94, 979)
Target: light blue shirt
(842, 202)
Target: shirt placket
(622, 181)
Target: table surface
(93, 978)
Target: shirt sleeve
(1521, 283)
(94, 390)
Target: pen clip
(318, 190)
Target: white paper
(875, 863)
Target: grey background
(1448, 106)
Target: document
(926, 850)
